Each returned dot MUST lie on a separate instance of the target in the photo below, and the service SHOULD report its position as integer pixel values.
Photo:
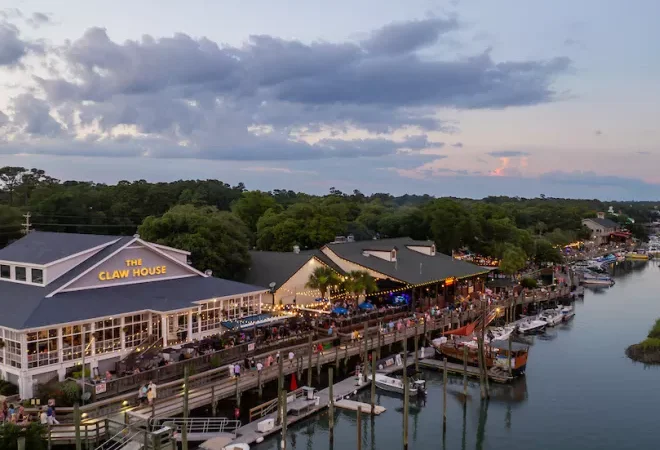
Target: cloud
(457, 145)
(12, 48)
(507, 154)
(645, 153)
(405, 37)
(598, 132)
(589, 178)
(285, 170)
(268, 99)
(39, 19)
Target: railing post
(309, 361)
(76, 422)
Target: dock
(352, 405)
(497, 376)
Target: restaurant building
(399, 265)
(62, 292)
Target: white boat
(597, 280)
(396, 385)
(551, 317)
(567, 312)
(500, 333)
(530, 325)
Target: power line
(27, 216)
(55, 224)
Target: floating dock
(353, 406)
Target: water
(580, 390)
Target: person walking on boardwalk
(152, 388)
(291, 356)
(237, 370)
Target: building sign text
(136, 271)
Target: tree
(322, 278)
(251, 206)
(217, 240)
(547, 253)
(10, 224)
(10, 179)
(359, 282)
(513, 260)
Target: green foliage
(77, 374)
(65, 393)
(10, 224)
(655, 331)
(251, 206)
(650, 343)
(529, 283)
(35, 436)
(359, 282)
(513, 260)
(8, 389)
(322, 278)
(547, 253)
(216, 361)
(217, 240)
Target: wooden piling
(337, 357)
(318, 366)
(373, 383)
(416, 352)
(284, 412)
(406, 394)
(186, 394)
(359, 428)
(260, 387)
(280, 388)
(444, 395)
(465, 381)
(76, 424)
(379, 341)
(331, 406)
(238, 393)
(309, 361)
(509, 357)
(364, 338)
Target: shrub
(35, 436)
(655, 331)
(8, 389)
(529, 283)
(65, 393)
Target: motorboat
(567, 312)
(499, 333)
(551, 317)
(496, 352)
(597, 280)
(530, 325)
(392, 384)
(637, 256)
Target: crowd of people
(17, 415)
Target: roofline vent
(208, 272)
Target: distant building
(601, 228)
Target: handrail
(268, 407)
(197, 424)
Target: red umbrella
(294, 384)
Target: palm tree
(359, 282)
(322, 278)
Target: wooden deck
(457, 369)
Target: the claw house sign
(133, 269)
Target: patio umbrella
(294, 383)
(365, 305)
(340, 311)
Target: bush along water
(647, 351)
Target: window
(136, 329)
(5, 271)
(72, 342)
(108, 336)
(21, 273)
(13, 349)
(42, 348)
(37, 276)
(210, 316)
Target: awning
(252, 321)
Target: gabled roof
(29, 306)
(278, 267)
(411, 267)
(605, 223)
(41, 247)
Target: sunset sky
(464, 97)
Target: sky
(466, 98)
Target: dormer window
(393, 255)
(37, 276)
(433, 250)
(21, 273)
(5, 271)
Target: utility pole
(27, 224)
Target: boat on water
(530, 325)
(634, 256)
(567, 312)
(597, 280)
(395, 385)
(500, 333)
(496, 352)
(551, 317)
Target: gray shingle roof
(26, 306)
(278, 267)
(411, 267)
(605, 223)
(41, 247)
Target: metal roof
(278, 267)
(41, 247)
(605, 223)
(411, 267)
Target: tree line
(219, 223)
